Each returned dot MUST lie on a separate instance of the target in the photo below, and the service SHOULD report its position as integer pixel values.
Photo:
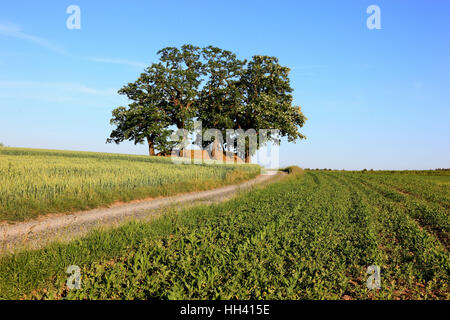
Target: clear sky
(374, 98)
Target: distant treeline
(439, 171)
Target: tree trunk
(214, 149)
(151, 147)
(247, 155)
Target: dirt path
(43, 230)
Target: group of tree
(210, 85)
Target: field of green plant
(309, 236)
(34, 182)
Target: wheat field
(34, 182)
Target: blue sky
(374, 98)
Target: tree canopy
(210, 85)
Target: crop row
(312, 236)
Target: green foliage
(268, 99)
(310, 236)
(144, 120)
(34, 182)
(220, 99)
(213, 86)
(162, 96)
(178, 76)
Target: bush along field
(34, 182)
(312, 235)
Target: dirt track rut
(64, 227)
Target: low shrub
(293, 170)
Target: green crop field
(310, 236)
(34, 182)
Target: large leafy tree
(221, 96)
(164, 95)
(144, 120)
(178, 76)
(267, 102)
(235, 95)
